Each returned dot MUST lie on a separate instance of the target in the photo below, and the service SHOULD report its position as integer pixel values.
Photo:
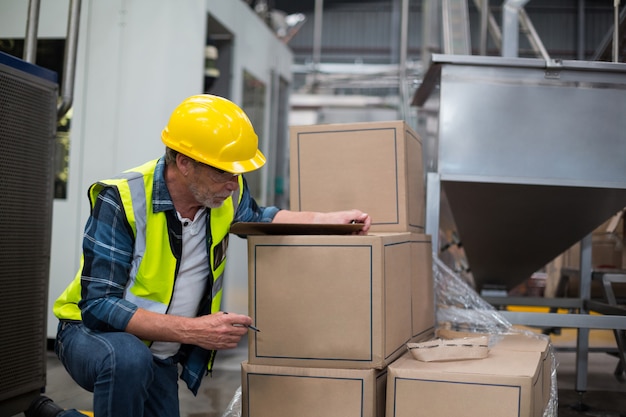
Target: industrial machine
(28, 119)
(32, 100)
(528, 154)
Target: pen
(251, 327)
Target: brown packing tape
(450, 349)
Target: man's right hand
(213, 332)
(220, 330)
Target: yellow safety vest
(153, 269)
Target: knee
(131, 359)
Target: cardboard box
(339, 301)
(376, 167)
(505, 384)
(422, 288)
(517, 342)
(606, 252)
(520, 342)
(607, 248)
(270, 391)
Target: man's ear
(183, 163)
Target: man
(147, 295)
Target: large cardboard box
(339, 301)
(606, 252)
(375, 167)
(505, 384)
(607, 249)
(519, 342)
(271, 391)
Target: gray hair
(170, 156)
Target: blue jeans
(126, 380)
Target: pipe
(69, 64)
(32, 24)
(317, 41)
(431, 27)
(616, 31)
(456, 34)
(492, 24)
(510, 27)
(484, 26)
(404, 46)
(394, 55)
(580, 53)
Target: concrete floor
(605, 395)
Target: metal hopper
(531, 156)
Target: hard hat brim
(234, 167)
(241, 167)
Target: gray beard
(209, 202)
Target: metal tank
(529, 154)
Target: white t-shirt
(191, 279)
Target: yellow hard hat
(214, 131)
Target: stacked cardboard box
(525, 342)
(270, 391)
(529, 343)
(513, 380)
(608, 252)
(335, 311)
(375, 167)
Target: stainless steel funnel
(530, 154)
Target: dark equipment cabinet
(28, 119)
